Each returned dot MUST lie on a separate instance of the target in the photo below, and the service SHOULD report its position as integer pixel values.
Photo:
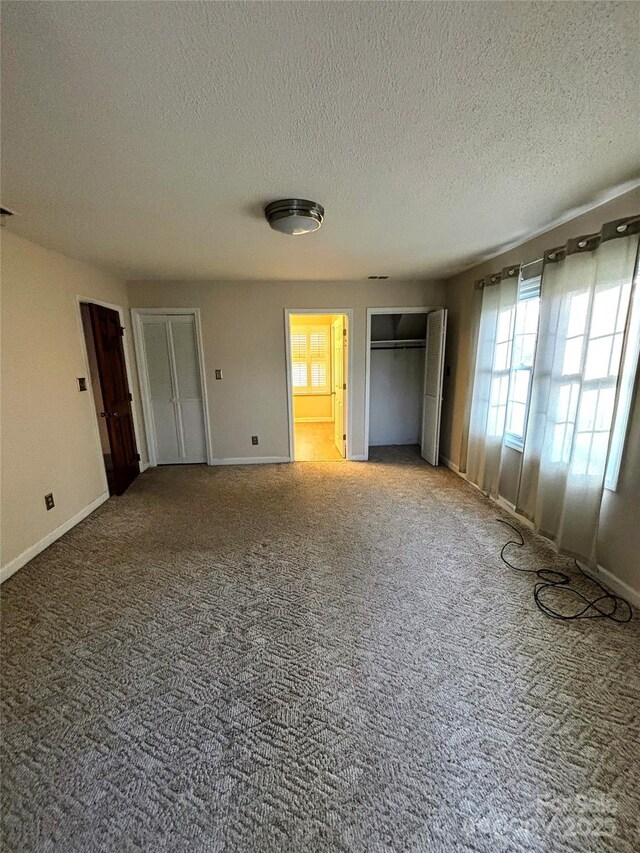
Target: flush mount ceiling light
(294, 216)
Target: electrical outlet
(82, 383)
(48, 501)
(254, 439)
(218, 374)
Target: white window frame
(512, 440)
(597, 384)
(630, 364)
(495, 417)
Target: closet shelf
(398, 344)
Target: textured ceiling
(147, 136)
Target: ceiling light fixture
(294, 216)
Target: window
(592, 362)
(630, 361)
(311, 372)
(522, 352)
(498, 395)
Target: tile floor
(314, 442)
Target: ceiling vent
(294, 216)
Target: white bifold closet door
(433, 378)
(175, 388)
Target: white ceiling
(147, 137)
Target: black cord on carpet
(606, 606)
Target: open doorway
(318, 366)
(403, 378)
(112, 398)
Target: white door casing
(347, 313)
(339, 335)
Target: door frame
(122, 313)
(423, 309)
(290, 312)
(143, 376)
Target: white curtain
(583, 319)
(491, 382)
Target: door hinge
(344, 436)
(344, 386)
(122, 331)
(344, 333)
(137, 457)
(130, 397)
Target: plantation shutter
(319, 349)
(310, 359)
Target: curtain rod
(586, 243)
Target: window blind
(310, 356)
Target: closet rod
(413, 346)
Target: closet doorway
(403, 378)
(172, 385)
(318, 370)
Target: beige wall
(312, 406)
(619, 539)
(49, 433)
(243, 333)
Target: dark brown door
(107, 336)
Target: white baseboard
(359, 457)
(452, 465)
(394, 443)
(313, 420)
(144, 466)
(604, 576)
(251, 460)
(22, 559)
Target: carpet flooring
(308, 658)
